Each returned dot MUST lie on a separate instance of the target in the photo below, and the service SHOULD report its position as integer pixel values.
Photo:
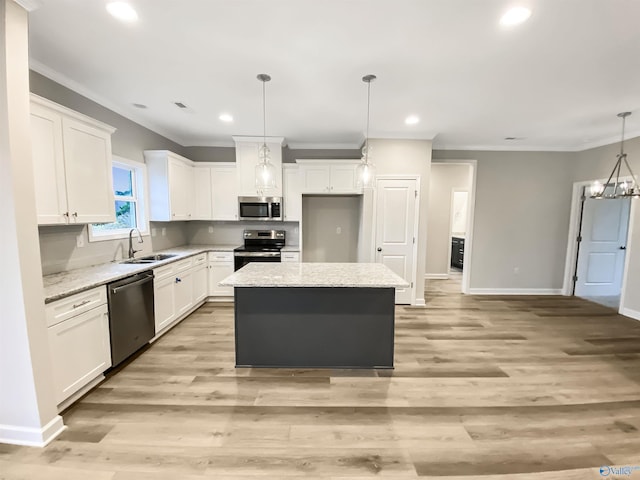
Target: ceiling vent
(180, 105)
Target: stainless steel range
(259, 246)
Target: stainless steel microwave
(260, 208)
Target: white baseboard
(420, 302)
(628, 312)
(32, 437)
(436, 276)
(515, 291)
(220, 299)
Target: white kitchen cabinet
(247, 157)
(290, 257)
(220, 267)
(203, 193)
(163, 296)
(79, 342)
(200, 280)
(171, 186)
(72, 165)
(224, 183)
(292, 198)
(328, 177)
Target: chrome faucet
(132, 252)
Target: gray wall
(321, 217)
(444, 178)
(211, 154)
(290, 156)
(522, 212)
(59, 250)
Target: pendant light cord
(624, 119)
(366, 140)
(264, 115)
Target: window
(129, 205)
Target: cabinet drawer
(221, 256)
(183, 265)
(163, 272)
(290, 256)
(200, 259)
(68, 307)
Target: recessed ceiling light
(515, 16)
(225, 117)
(122, 11)
(412, 120)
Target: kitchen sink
(151, 258)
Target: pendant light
(366, 171)
(265, 170)
(620, 189)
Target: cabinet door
(164, 302)
(80, 351)
(183, 289)
(48, 166)
(87, 160)
(225, 192)
(247, 157)
(315, 178)
(292, 195)
(202, 194)
(290, 257)
(343, 179)
(200, 284)
(180, 189)
(219, 271)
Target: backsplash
(230, 233)
(60, 252)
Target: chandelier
(618, 189)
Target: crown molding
(253, 139)
(91, 95)
(29, 5)
(324, 146)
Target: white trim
(629, 244)
(436, 276)
(252, 139)
(32, 437)
(327, 161)
(29, 5)
(515, 291)
(420, 302)
(540, 148)
(628, 312)
(141, 189)
(324, 146)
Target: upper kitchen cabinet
(72, 165)
(247, 149)
(215, 191)
(292, 197)
(171, 186)
(328, 177)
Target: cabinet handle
(178, 280)
(78, 305)
(75, 214)
(65, 214)
(173, 214)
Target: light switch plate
(80, 241)
(210, 229)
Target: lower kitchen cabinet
(291, 257)
(178, 288)
(220, 267)
(79, 341)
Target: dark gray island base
(314, 327)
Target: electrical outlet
(338, 230)
(154, 232)
(210, 229)
(295, 230)
(516, 270)
(80, 241)
(164, 232)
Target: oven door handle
(257, 254)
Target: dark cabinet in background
(457, 252)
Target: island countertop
(357, 275)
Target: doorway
(596, 263)
(601, 250)
(450, 222)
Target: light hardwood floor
(484, 387)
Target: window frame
(139, 197)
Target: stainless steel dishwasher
(131, 315)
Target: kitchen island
(314, 315)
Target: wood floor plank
(484, 387)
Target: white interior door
(604, 229)
(395, 230)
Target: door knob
(379, 249)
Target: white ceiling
(556, 82)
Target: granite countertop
(63, 284)
(364, 275)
